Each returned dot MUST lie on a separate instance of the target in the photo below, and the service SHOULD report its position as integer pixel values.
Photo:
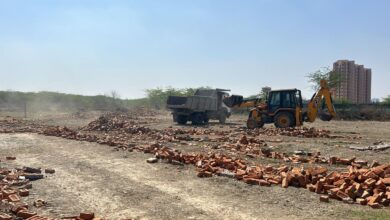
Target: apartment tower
(356, 84)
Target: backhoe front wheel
(251, 123)
(284, 120)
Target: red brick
(375, 205)
(87, 215)
(24, 192)
(361, 201)
(251, 181)
(285, 182)
(370, 182)
(204, 174)
(374, 199)
(386, 181)
(4, 216)
(8, 192)
(317, 171)
(16, 207)
(50, 171)
(25, 214)
(13, 198)
(324, 198)
(341, 194)
(311, 187)
(264, 183)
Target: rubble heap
(116, 121)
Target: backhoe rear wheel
(284, 120)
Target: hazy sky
(92, 47)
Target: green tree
(333, 78)
(386, 100)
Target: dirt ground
(120, 184)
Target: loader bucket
(324, 116)
(233, 100)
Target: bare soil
(120, 184)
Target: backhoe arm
(313, 107)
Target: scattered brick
(49, 171)
(24, 192)
(87, 215)
(4, 216)
(324, 198)
(25, 214)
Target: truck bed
(192, 103)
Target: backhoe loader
(284, 108)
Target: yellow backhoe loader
(284, 108)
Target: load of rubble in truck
(204, 105)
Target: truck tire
(182, 119)
(206, 119)
(284, 120)
(222, 118)
(197, 118)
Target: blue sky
(93, 47)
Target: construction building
(356, 82)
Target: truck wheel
(222, 118)
(284, 120)
(206, 119)
(197, 118)
(182, 119)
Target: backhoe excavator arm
(316, 101)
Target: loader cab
(284, 106)
(284, 99)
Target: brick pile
(252, 147)
(364, 186)
(296, 132)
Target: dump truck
(204, 105)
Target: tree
(386, 100)
(264, 92)
(333, 78)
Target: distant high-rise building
(356, 82)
